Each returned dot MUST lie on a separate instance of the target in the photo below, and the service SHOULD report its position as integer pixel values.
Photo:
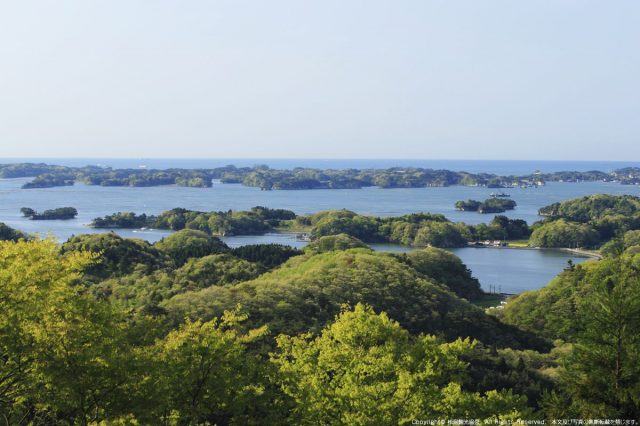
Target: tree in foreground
(601, 377)
(365, 369)
(204, 374)
(63, 355)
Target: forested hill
(595, 221)
(109, 330)
(595, 308)
(112, 330)
(298, 178)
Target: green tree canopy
(7, 233)
(189, 243)
(365, 369)
(446, 268)
(267, 255)
(306, 293)
(334, 242)
(602, 372)
(561, 233)
(117, 255)
(64, 355)
(205, 374)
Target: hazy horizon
(498, 167)
(38, 158)
(491, 80)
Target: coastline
(579, 252)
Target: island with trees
(490, 205)
(60, 213)
(299, 178)
(592, 222)
(419, 229)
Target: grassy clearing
(518, 243)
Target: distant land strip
(266, 178)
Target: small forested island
(223, 223)
(61, 213)
(419, 229)
(266, 178)
(591, 222)
(50, 180)
(491, 205)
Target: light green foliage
(596, 306)
(216, 269)
(633, 250)
(256, 221)
(335, 222)
(629, 243)
(422, 229)
(236, 223)
(69, 359)
(446, 268)
(364, 369)
(612, 248)
(204, 373)
(442, 234)
(63, 353)
(189, 243)
(550, 311)
(588, 208)
(147, 291)
(561, 233)
(631, 239)
(402, 232)
(307, 291)
(117, 255)
(501, 228)
(589, 221)
(154, 334)
(334, 242)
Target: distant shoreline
(294, 176)
(579, 252)
(496, 166)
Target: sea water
(510, 270)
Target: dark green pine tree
(603, 371)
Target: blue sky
(330, 79)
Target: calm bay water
(513, 270)
(503, 270)
(97, 201)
